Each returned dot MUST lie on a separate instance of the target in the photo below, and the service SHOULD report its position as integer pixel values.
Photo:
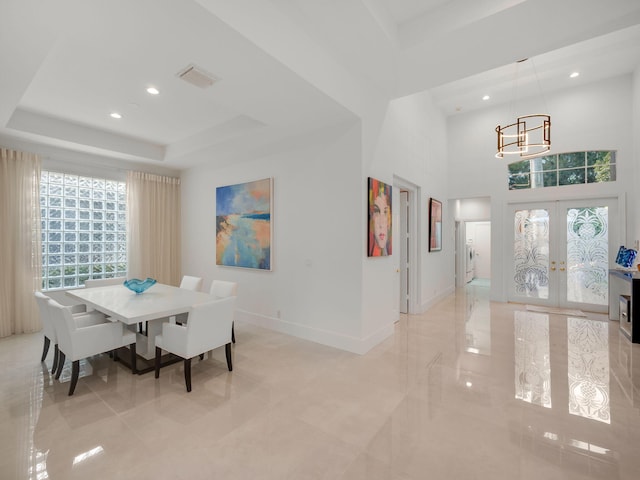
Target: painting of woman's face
(380, 223)
(379, 244)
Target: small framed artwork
(244, 215)
(435, 225)
(379, 232)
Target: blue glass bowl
(139, 286)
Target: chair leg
(157, 363)
(233, 334)
(61, 359)
(132, 347)
(45, 348)
(56, 353)
(75, 373)
(227, 351)
(187, 373)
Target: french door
(560, 253)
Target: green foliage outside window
(572, 168)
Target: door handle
(562, 269)
(553, 269)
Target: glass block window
(573, 168)
(84, 232)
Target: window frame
(567, 168)
(84, 228)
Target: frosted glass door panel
(531, 253)
(561, 253)
(588, 255)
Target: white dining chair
(77, 341)
(191, 283)
(81, 319)
(224, 289)
(48, 330)
(208, 327)
(188, 283)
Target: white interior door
(482, 247)
(561, 252)
(404, 251)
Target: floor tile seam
(352, 396)
(359, 448)
(301, 393)
(138, 439)
(237, 430)
(116, 413)
(306, 383)
(353, 403)
(350, 464)
(181, 390)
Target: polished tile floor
(468, 390)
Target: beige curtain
(20, 243)
(153, 204)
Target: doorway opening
(473, 241)
(477, 253)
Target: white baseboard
(438, 298)
(324, 337)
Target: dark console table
(625, 282)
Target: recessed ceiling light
(486, 97)
(574, 75)
(153, 91)
(115, 115)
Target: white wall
(596, 116)
(410, 143)
(467, 209)
(633, 207)
(314, 289)
(323, 286)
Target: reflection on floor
(480, 282)
(469, 389)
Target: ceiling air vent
(197, 76)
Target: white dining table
(153, 306)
